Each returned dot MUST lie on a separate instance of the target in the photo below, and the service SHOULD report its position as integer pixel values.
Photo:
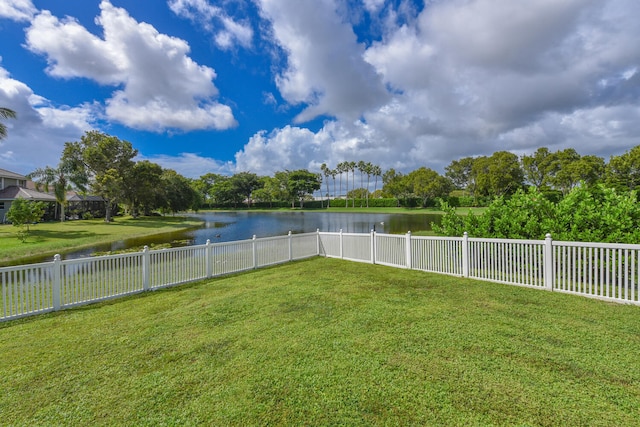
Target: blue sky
(265, 85)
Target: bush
(590, 214)
(22, 213)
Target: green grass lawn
(51, 237)
(326, 342)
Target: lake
(240, 225)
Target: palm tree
(368, 169)
(326, 172)
(60, 179)
(342, 167)
(361, 168)
(377, 172)
(334, 172)
(5, 113)
(352, 168)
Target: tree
(537, 167)
(205, 185)
(302, 183)
(143, 188)
(497, 175)
(623, 172)
(334, 172)
(326, 172)
(270, 190)
(428, 184)
(460, 173)
(563, 170)
(60, 180)
(24, 212)
(352, 168)
(5, 113)
(589, 170)
(338, 170)
(342, 168)
(222, 191)
(178, 195)
(396, 184)
(105, 161)
(244, 183)
(377, 173)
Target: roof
(13, 192)
(8, 174)
(83, 198)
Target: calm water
(230, 226)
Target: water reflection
(229, 226)
(232, 226)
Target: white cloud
(162, 87)
(482, 69)
(191, 165)
(326, 70)
(227, 31)
(287, 148)
(17, 10)
(373, 6)
(38, 128)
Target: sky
(227, 86)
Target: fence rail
(597, 270)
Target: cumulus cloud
(468, 77)
(227, 31)
(288, 148)
(325, 70)
(162, 87)
(191, 165)
(39, 127)
(17, 10)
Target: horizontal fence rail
(39, 288)
(597, 270)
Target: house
(15, 186)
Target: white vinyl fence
(39, 288)
(607, 271)
(604, 271)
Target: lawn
(326, 342)
(51, 237)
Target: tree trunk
(107, 213)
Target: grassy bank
(52, 237)
(302, 344)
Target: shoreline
(49, 239)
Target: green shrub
(592, 214)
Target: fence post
(373, 246)
(318, 241)
(465, 254)
(341, 250)
(207, 254)
(548, 262)
(255, 252)
(146, 262)
(57, 281)
(408, 250)
(290, 246)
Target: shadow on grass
(36, 236)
